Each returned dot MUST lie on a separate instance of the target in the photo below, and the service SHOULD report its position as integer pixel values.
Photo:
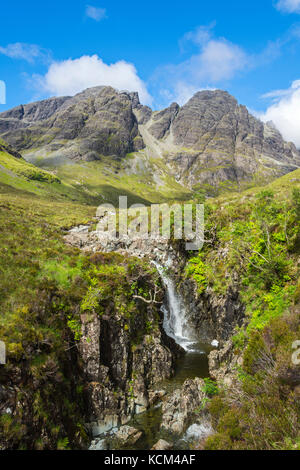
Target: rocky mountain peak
(215, 96)
(98, 121)
(211, 140)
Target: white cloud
(289, 6)
(215, 60)
(183, 92)
(285, 112)
(28, 52)
(72, 76)
(218, 60)
(95, 13)
(199, 36)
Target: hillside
(49, 290)
(252, 267)
(87, 346)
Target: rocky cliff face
(208, 142)
(123, 365)
(99, 121)
(93, 382)
(212, 139)
(210, 315)
(4, 147)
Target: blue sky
(166, 50)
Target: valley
(125, 345)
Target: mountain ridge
(210, 143)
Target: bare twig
(152, 299)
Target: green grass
(108, 178)
(25, 169)
(45, 286)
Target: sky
(165, 50)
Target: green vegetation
(45, 286)
(261, 410)
(210, 387)
(29, 171)
(254, 242)
(254, 239)
(108, 178)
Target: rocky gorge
(190, 323)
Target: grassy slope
(35, 264)
(17, 173)
(44, 287)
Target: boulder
(162, 445)
(128, 435)
(178, 411)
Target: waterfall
(175, 322)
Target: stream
(192, 364)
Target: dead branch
(152, 299)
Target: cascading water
(175, 321)
(188, 366)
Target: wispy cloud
(212, 61)
(215, 60)
(69, 77)
(288, 6)
(95, 13)
(28, 52)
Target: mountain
(84, 331)
(102, 138)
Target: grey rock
(37, 111)
(118, 376)
(208, 141)
(4, 147)
(199, 431)
(98, 121)
(223, 363)
(162, 445)
(213, 316)
(178, 411)
(143, 114)
(162, 121)
(128, 436)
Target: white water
(198, 431)
(175, 321)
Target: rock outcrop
(99, 121)
(162, 445)
(223, 364)
(121, 364)
(178, 411)
(4, 147)
(127, 436)
(212, 316)
(212, 139)
(162, 121)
